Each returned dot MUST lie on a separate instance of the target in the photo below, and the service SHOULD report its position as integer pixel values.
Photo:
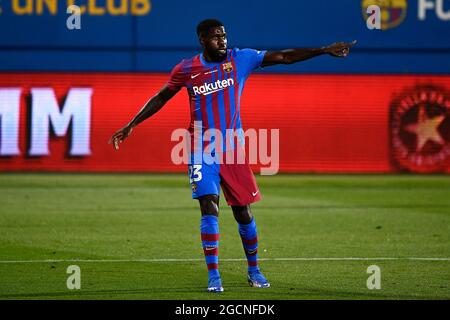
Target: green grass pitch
(122, 231)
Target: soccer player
(214, 80)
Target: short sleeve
(253, 58)
(177, 78)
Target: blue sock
(249, 236)
(209, 228)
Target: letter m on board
(75, 111)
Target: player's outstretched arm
(150, 108)
(288, 56)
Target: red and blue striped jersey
(215, 89)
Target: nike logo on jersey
(255, 193)
(193, 76)
(208, 88)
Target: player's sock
(250, 242)
(209, 228)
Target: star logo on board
(420, 129)
(426, 129)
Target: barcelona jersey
(215, 88)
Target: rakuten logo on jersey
(208, 88)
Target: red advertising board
(327, 123)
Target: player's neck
(210, 59)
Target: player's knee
(242, 210)
(209, 209)
(209, 205)
(242, 214)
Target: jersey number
(194, 173)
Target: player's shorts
(237, 181)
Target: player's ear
(201, 40)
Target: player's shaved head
(204, 26)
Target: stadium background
(334, 115)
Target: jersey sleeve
(177, 78)
(252, 58)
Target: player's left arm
(289, 56)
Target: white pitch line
(229, 259)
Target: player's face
(215, 42)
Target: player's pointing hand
(340, 49)
(119, 136)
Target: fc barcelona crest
(393, 12)
(227, 67)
